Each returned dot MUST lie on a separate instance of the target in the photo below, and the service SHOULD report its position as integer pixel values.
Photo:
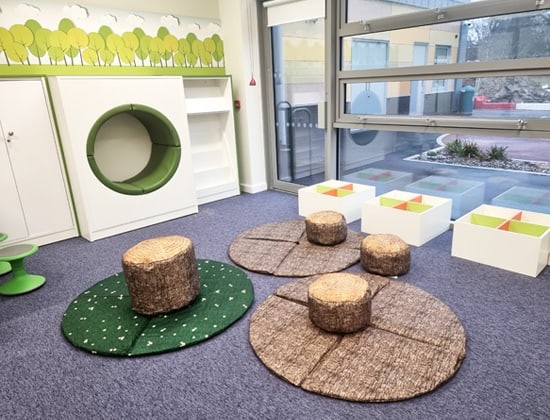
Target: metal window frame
(329, 106)
(460, 12)
(495, 68)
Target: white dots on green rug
(101, 320)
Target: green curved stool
(20, 281)
(5, 267)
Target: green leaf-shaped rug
(101, 320)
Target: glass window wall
(446, 97)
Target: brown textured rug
(282, 249)
(413, 344)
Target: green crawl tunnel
(163, 160)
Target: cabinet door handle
(10, 134)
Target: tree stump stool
(161, 274)
(339, 302)
(385, 254)
(326, 227)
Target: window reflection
(511, 172)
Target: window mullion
(514, 125)
(540, 132)
(526, 66)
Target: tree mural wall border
(119, 45)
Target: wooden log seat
(340, 302)
(161, 274)
(326, 227)
(385, 254)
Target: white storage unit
(156, 103)
(502, 237)
(36, 205)
(209, 108)
(414, 218)
(342, 197)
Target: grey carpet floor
(506, 373)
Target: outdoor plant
(466, 149)
(454, 148)
(496, 153)
(470, 150)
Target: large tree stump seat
(385, 254)
(339, 302)
(326, 227)
(161, 274)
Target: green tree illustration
(6, 43)
(192, 57)
(17, 52)
(171, 45)
(79, 41)
(179, 59)
(131, 41)
(142, 50)
(106, 56)
(35, 48)
(138, 32)
(210, 48)
(96, 43)
(197, 47)
(191, 37)
(162, 33)
(105, 31)
(116, 45)
(22, 37)
(156, 50)
(206, 58)
(42, 40)
(217, 55)
(90, 56)
(66, 25)
(103, 46)
(59, 46)
(184, 48)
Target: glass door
(298, 58)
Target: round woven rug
(101, 320)
(413, 344)
(282, 249)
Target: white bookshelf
(209, 107)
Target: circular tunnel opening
(133, 149)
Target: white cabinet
(209, 108)
(35, 205)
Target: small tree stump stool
(161, 274)
(340, 302)
(385, 254)
(326, 227)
